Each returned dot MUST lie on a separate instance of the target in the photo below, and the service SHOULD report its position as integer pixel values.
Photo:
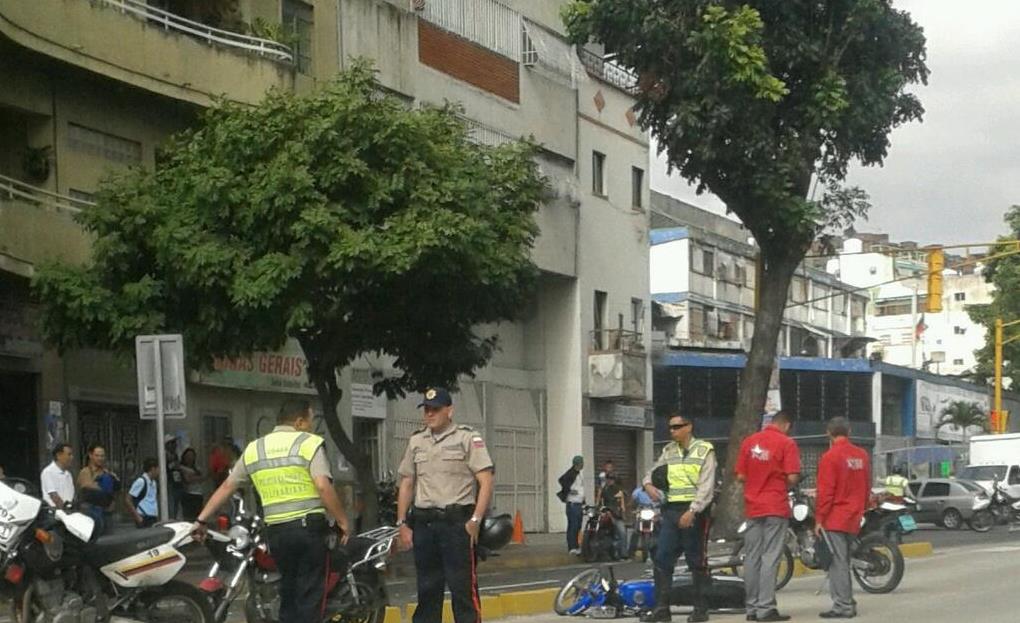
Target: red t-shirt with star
(766, 459)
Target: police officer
(447, 473)
(291, 474)
(686, 473)
(896, 483)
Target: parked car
(948, 502)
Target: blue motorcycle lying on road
(596, 593)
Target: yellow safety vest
(684, 470)
(278, 466)
(895, 485)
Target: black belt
(452, 513)
(311, 521)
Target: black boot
(701, 581)
(663, 586)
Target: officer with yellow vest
(686, 473)
(896, 483)
(291, 474)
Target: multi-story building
(893, 276)
(98, 85)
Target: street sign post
(159, 360)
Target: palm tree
(963, 415)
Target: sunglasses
(679, 426)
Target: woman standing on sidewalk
(191, 499)
(97, 487)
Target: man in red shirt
(844, 485)
(768, 464)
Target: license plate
(907, 523)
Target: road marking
(997, 550)
(496, 588)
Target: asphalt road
(976, 583)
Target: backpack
(137, 499)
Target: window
(598, 173)
(637, 315)
(708, 263)
(1014, 476)
(936, 490)
(820, 296)
(959, 296)
(893, 308)
(298, 21)
(711, 326)
(959, 330)
(958, 362)
(599, 320)
(839, 304)
(104, 145)
(914, 487)
(637, 185)
(798, 290)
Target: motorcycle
(1003, 509)
(875, 560)
(354, 588)
(733, 558)
(891, 515)
(596, 593)
(646, 530)
(599, 536)
(54, 573)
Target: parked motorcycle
(53, 573)
(646, 531)
(875, 560)
(732, 558)
(1003, 509)
(599, 536)
(892, 516)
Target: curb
(524, 603)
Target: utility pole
(999, 343)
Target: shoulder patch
(477, 442)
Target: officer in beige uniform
(448, 474)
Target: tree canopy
(344, 219)
(1004, 274)
(761, 103)
(962, 415)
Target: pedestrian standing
(685, 471)
(448, 474)
(97, 487)
(768, 464)
(144, 494)
(291, 475)
(572, 494)
(173, 475)
(844, 486)
(600, 481)
(56, 480)
(191, 498)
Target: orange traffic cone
(518, 535)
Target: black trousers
(691, 542)
(444, 556)
(300, 555)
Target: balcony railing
(616, 340)
(488, 23)
(11, 188)
(608, 71)
(213, 36)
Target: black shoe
(752, 617)
(698, 616)
(832, 614)
(773, 615)
(657, 615)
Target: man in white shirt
(56, 480)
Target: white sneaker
(575, 552)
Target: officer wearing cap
(448, 474)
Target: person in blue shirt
(641, 498)
(144, 493)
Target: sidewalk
(539, 551)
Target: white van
(994, 458)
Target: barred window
(103, 144)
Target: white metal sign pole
(160, 431)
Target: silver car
(948, 502)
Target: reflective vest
(895, 485)
(684, 470)
(278, 466)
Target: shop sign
(284, 370)
(364, 403)
(932, 399)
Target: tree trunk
(773, 288)
(323, 376)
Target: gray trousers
(840, 584)
(763, 547)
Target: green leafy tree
(761, 103)
(1004, 274)
(343, 219)
(963, 415)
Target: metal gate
(618, 445)
(118, 429)
(517, 453)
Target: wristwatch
(401, 522)
(474, 519)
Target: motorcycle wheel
(982, 521)
(371, 608)
(253, 611)
(645, 544)
(785, 571)
(578, 593)
(884, 565)
(175, 602)
(587, 550)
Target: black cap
(436, 397)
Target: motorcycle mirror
(81, 526)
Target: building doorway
(19, 435)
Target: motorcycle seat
(107, 549)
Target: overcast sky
(952, 177)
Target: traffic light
(936, 263)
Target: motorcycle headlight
(981, 503)
(239, 536)
(800, 512)
(646, 514)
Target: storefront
(618, 435)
